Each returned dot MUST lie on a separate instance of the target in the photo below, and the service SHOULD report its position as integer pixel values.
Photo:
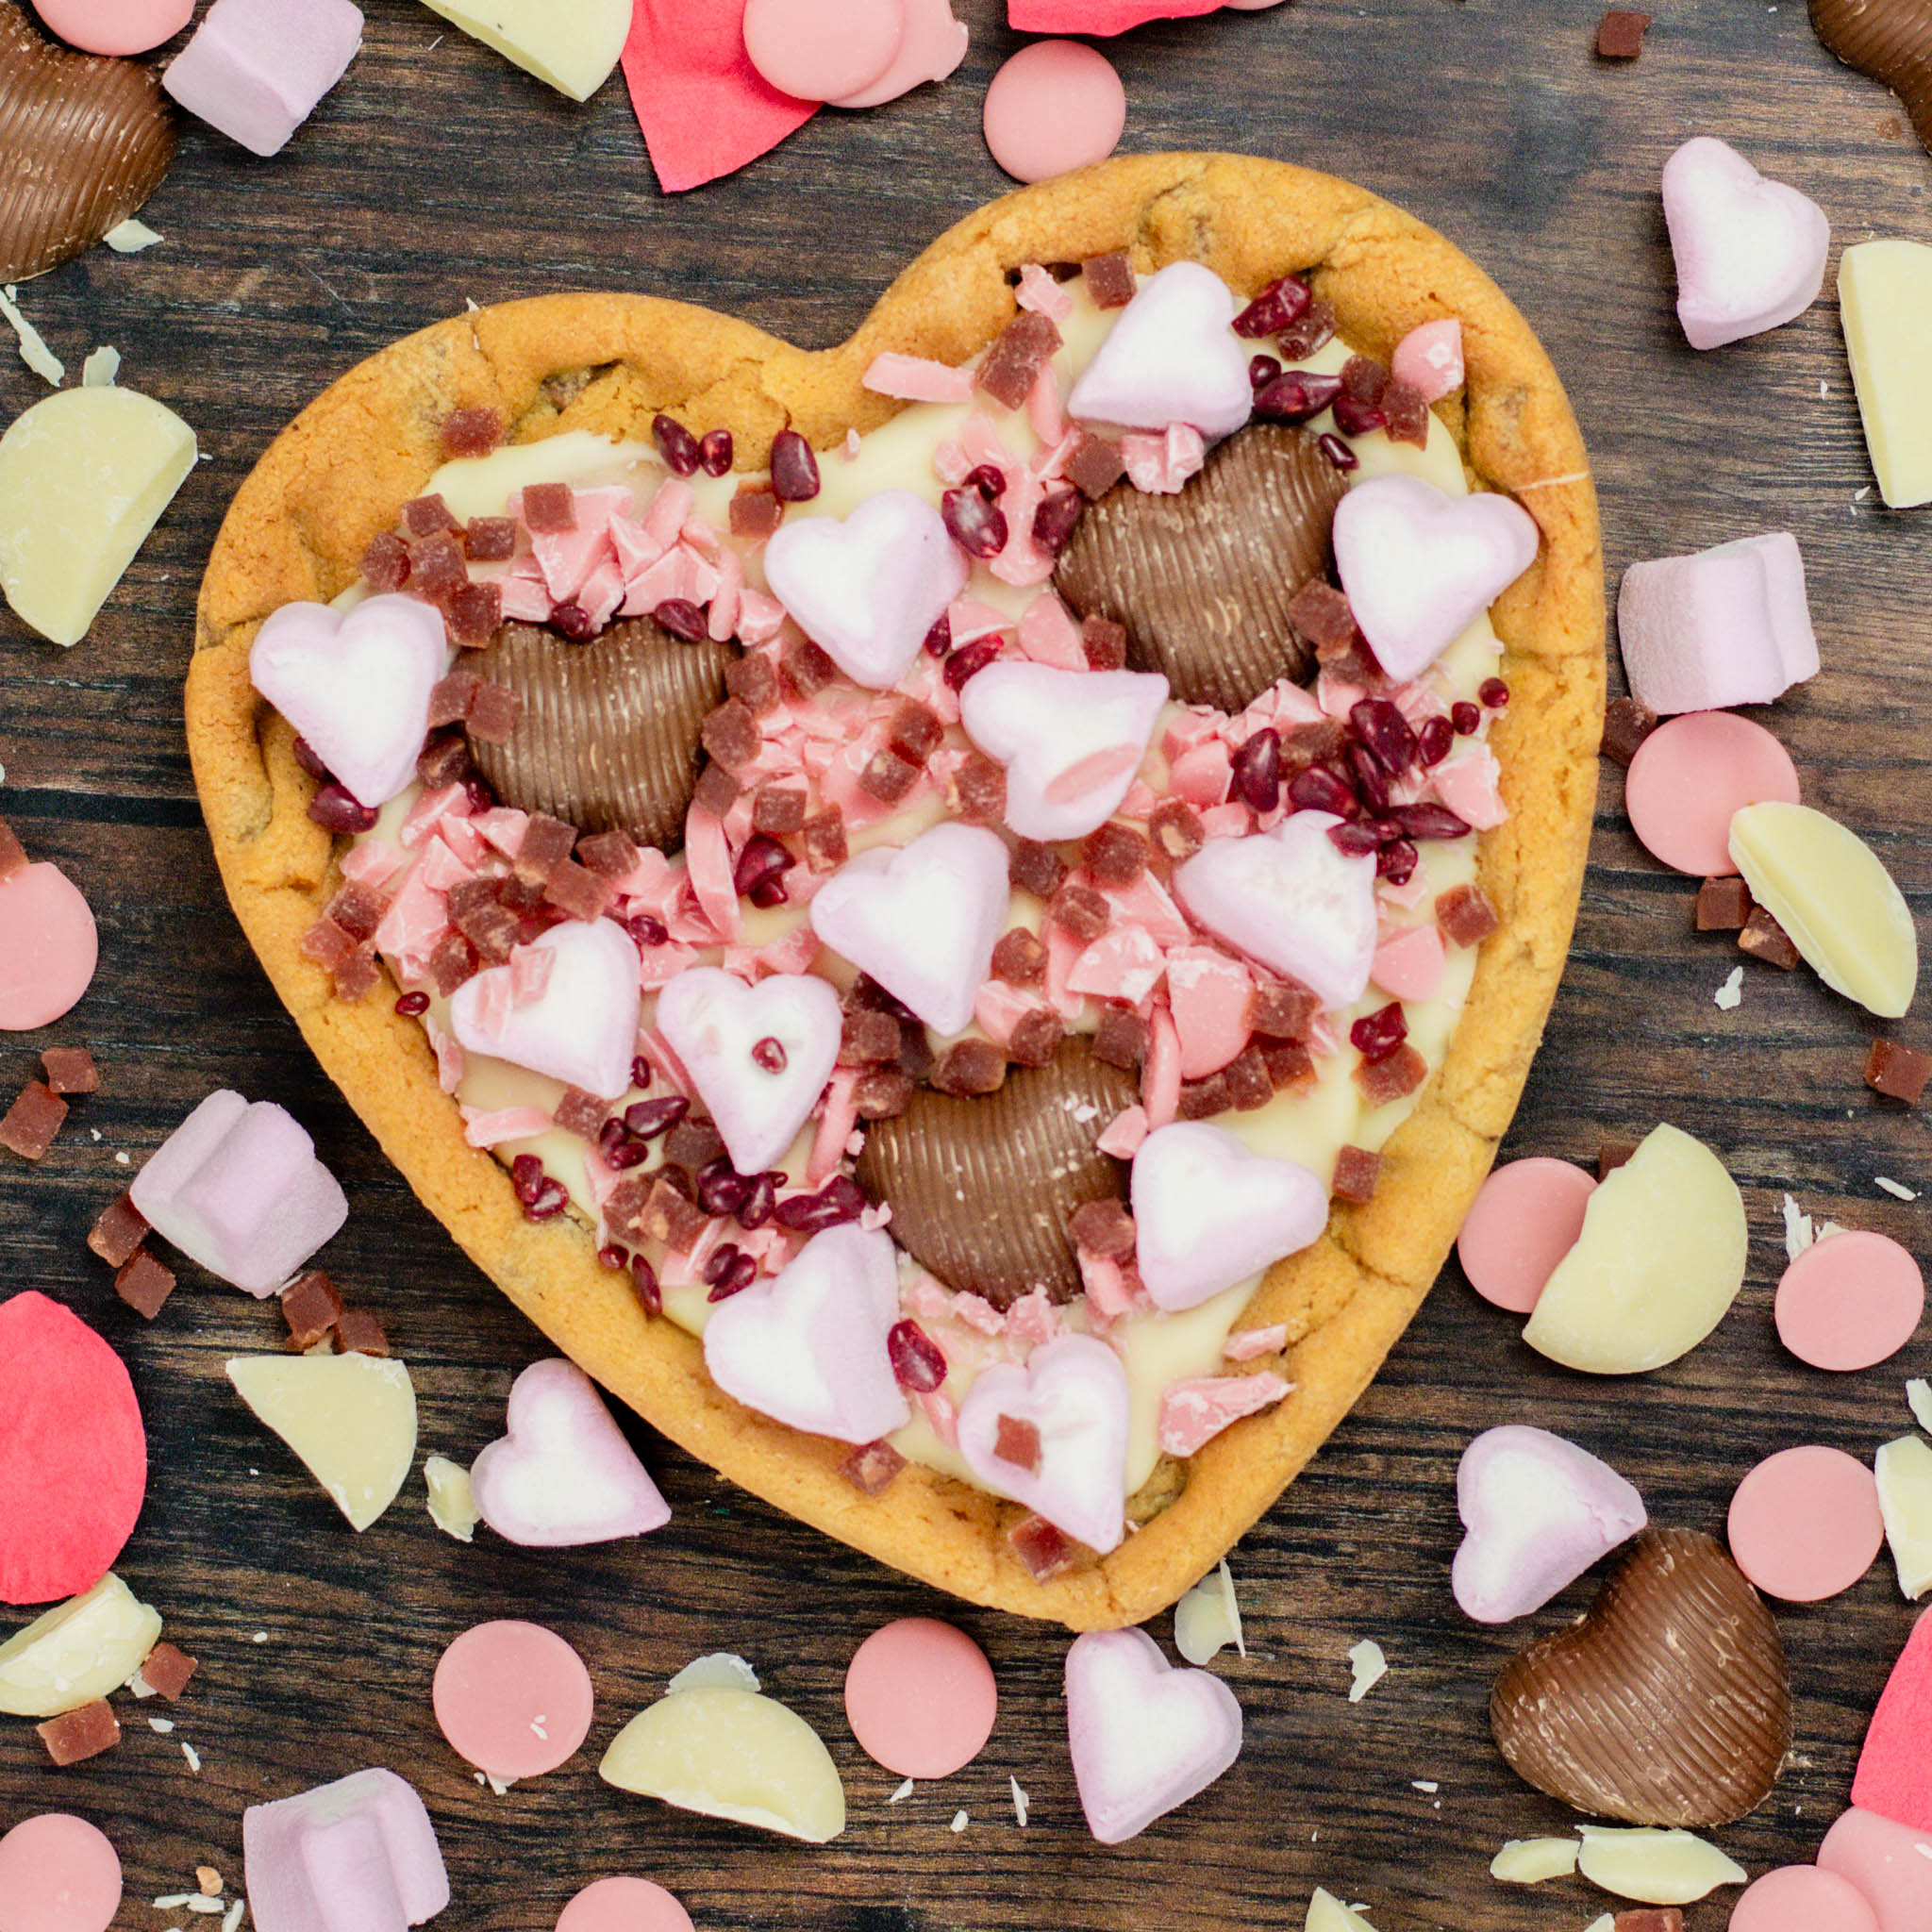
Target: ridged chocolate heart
(981, 1189)
(1202, 579)
(1890, 40)
(83, 143)
(608, 736)
(1668, 1704)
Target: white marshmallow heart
(1074, 1392)
(1420, 567)
(562, 1474)
(582, 1028)
(923, 920)
(1173, 356)
(868, 588)
(1539, 1513)
(356, 686)
(1071, 740)
(1291, 900)
(808, 1347)
(1145, 1737)
(1750, 253)
(1207, 1213)
(714, 1023)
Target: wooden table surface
(437, 173)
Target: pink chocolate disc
(514, 1699)
(1691, 775)
(1053, 107)
(1805, 1525)
(823, 50)
(1886, 1863)
(48, 947)
(1524, 1220)
(920, 1698)
(115, 26)
(623, 1904)
(57, 1874)
(1801, 1898)
(933, 45)
(1850, 1301)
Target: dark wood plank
(436, 174)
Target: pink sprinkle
(1023, 562)
(637, 549)
(1125, 1133)
(1048, 634)
(1194, 1413)
(662, 964)
(1245, 1345)
(917, 379)
(481, 1130)
(1160, 1078)
(1039, 292)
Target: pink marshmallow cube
(1726, 626)
(238, 1189)
(256, 68)
(356, 1855)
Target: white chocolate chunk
(722, 1671)
(1654, 1868)
(1905, 1500)
(1657, 1268)
(731, 1753)
(1919, 1399)
(34, 351)
(1530, 1860)
(1369, 1667)
(1605, 1923)
(101, 368)
(1884, 295)
(130, 237)
(1326, 1913)
(77, 1651)
(84, 476)
(571, 48)
(351, 1419)
(452, 1508)
(1208, 1619)
(1829, 892)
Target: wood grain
(436, 173)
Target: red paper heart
(704, 108)
(1102, 17)
(1895, 1767)
(72, 1452)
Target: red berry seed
(769, 1054)
(676, 444)
(794, 468)
(1339, 453)
(1257, 771)
(715, 452)
(1465, 717)
(1493, 692)
(918, 1361)
(1298, 396)
(976, 524)
(1263, 369)
(412, 1006)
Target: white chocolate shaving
(1654, 1868)
(1530, 1860)
(1897, 1190)
(1208, 1619)
(34, 351)
(721, 1671)
(452, 1508)
(101, 368)
(1905, 1500)
(902, 1791)
(960, 1823)
(1021, 1801)
(130, 237)
(1730, 995)
(1369, 1667)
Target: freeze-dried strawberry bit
(144, 1284)
(1320, 616)
(490, 539)
(579, 1114)
(167, 1670)
(1279, 305)
(1081, 911)
(1104, 1228)
(755, 513)
(1109, 279)
(1036, 1039)
(969, 661)
(358, 909)
(1096, 464)
(1297, 395)
(980, 790)
(121, 1229)
(452, 964)
(806, 668)
(838, 1202)
(873, 1468)
(386, 562)
(822, 835)
(977, 526)
(914, 732)
(359, 1332)
(887, 777)
(1397, 861)
(1282, 1008)
(549, 509)
(423, 516)
(1466, 916)
(356, 975)
(1393, 1077)
(1406, 414)
(1764, 939)
(716, 450)
(70, 1070)
(1103, 642)
(1036, 869)
(1263, 369)
(1201, 1100)
(1116, 855)
(311, 1305)
(1433, 741)
(778, 811)
(763, 861)
(868, 1039)
(475, 614)
(1016, 1442)
(1627, 725)
(548, 843)
(33, 1120)
(1314, 328)
(1248, 1082)
(451, 699)
(1044, 1551)
(731, 735)
(969, 1067)
(77, 1735)
(794, 468)
(1257, 772)
(472, 432)
(1121, 1038)
(437, 568)
(491, 930)
(1057, 519)
(753, 681)
(1381, 727)
(610, 855)
(1428, 821)
(1899, 1072)
(1175, 829)
(919, 1363)
(445, 760)
(881, 1094)
(1376, 1035)
(1290, 1066)
(337, 810)
(676, 444)
(1357, 1170)
(693, 1145)
(1019, 353)
(1364, 379)
(716, 791)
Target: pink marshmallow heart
(562, 1474)
(1069, 1406)
(868, 588)
(1071, 740)
(1207, 1213)
(1726, 626)
(1421, 567)
(1173, 356)
(258, 69)
(238, 1189)
(1145, 1737)
(809, 1348)
(1750, 253)
(1539, 1513)
(356, 1855)
(1288, 899)
(582, 1028)
(722, 1030)
(922, 920)
(357, 687)
(1430, 359)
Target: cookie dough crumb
(1369, 1666)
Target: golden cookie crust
(297, 529)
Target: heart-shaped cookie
(88, 140)
(1668, 1705)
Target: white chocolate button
(351, 1419)
(1884, 295)
(573, 48)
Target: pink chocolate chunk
(357, 1855)
(257, 68)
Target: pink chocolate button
(623, 1904)
(920, 1698)
(514, 1699)
(57, 1874)
(823, 50)
(1805, 1525)
(1053, 107)
(933, 44)
(115, 26)
(1801, 1898)
(48, 947)
(1887, 1863)
(1850, 1301)
(1524, 1220)
(1691, 775)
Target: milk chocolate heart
(1668, 1705)
(87, 140)
(1202, 579)
(1890, 40)
(1024, 1146)
(607, 735)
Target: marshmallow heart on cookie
(1173, 356)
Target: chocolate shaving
(311, 1305)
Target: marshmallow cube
(1726, 626)
(256, 68)
(238, 1189)
(357, 1855)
